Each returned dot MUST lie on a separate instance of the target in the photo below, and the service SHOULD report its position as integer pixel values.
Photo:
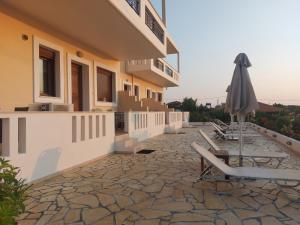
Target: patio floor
(162, 188)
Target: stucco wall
(16, 64)
(70, 139)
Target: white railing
(143, 125)
(43, 143)
(160, 64)
(290, 143)
(174, 119)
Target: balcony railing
(154, 25)
(169, 71)
(135, 5)
(159, 64)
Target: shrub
(283, 122)
(12, 193)
(296, 124)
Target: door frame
(86, 74)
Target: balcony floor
(162, 188)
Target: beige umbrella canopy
(241, 96)
(242, 99)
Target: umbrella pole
(241, 143)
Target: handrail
(154, 26)
(159, 64)
(135, 5)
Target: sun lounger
(231, 136)
(221, 123)
(247, 172)
(234, 126)
(254, 156)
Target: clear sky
(210, 33)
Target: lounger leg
(204, 172)
(202, 164)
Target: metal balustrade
(159, 64)
(154, 25)
(135, 5)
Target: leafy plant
(12, 193)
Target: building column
(164, 16)
(178, 62)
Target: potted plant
(12, 193)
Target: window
(104, 85)
(127, 87)
(159, 97)
(154, 95)
(48, 72)
(148, 93)
(136, 91)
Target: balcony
(117, 29)
(156, 71)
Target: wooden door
(77, 87)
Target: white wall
(42, 143)
(143, 125)
(174, 120)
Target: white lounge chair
(231, 136)
(248, 172)
(279, 156)
(232, 127)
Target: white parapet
(43, 143)
(174, 121)
(143, 125)
(185, 119)
(288, 142)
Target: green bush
(296, 124)
(198, 117)
(283, 123)
(12, 193)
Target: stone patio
(162, 188)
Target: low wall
(288, 142)
(144, 125)
(185, 118)
(43, 143)
(174, 120)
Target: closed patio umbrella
(242, 99)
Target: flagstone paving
(161, 188)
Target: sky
(210, 33)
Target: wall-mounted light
(25, 37)
(79, 54)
